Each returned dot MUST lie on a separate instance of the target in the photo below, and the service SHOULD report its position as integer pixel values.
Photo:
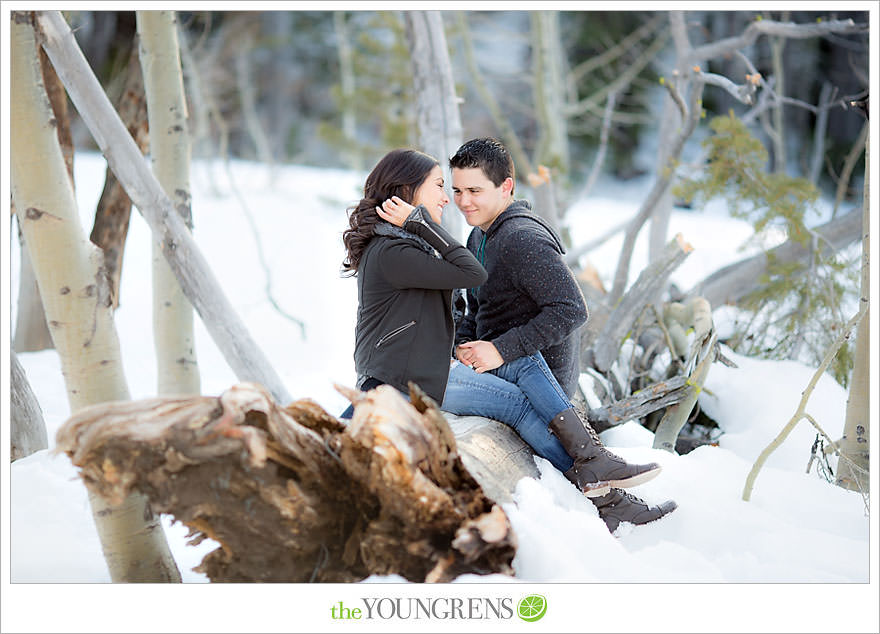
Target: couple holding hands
(490, 329)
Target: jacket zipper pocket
(394, 333)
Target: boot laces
(629, 497)
(595, 436)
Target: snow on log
(293, 495)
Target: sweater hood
(523, 209)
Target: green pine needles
(796, 308)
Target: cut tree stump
(293, 495)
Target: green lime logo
(532, 608)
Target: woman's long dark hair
(399, 173)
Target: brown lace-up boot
(620, 506)
(595, 469)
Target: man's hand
(481, 356)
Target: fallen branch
(734, 281)
(643, 291)
(648, 399)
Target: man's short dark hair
(489, 155)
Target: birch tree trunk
(178, 369)
(27, 431)
(75, 295)
(549, 91)
(239, 349)
(31, 330)
(437, 116)
(670, 124)
(777, 44)
(351, 153)
(855, 444)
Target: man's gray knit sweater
(531, 301)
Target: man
(525, 320)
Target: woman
(407, 265)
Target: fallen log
(731, 283)
(293, 495)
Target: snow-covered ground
(797, 557)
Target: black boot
(595, 469)
(619, 506)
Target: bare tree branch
(770, 27)
(741, 92)
(600, 61)
(603, 146)
(849, 164)
(665, 177)
(622, 81)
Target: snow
(797, 528)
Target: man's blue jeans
(522, 393)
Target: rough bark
(291, 494)
(192, 271)
(76, 299)
(853, 471)
(113, 213)
(437, 117)
(638, 405)
(174, 341)
(27, 432)
(58, 100)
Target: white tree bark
(549, 91)
(437, 116)
(31, 330)
(195, 276)
(177, 367)
(671, 122)
(852, 472)
(27, 432)
(76, 298)
(549, 87)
